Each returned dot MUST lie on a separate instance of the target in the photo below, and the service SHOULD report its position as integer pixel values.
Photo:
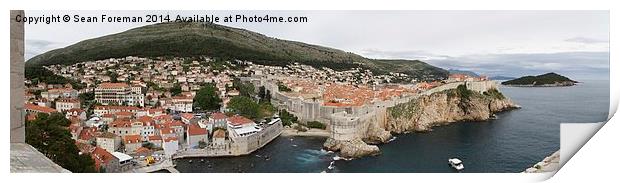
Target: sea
(512, 142)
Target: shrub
(315, 124)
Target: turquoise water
(514, 141)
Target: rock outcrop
(445, 107)
(420, 114)
(351, 148)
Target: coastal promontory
(544, 80)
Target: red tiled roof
(68, 100)
(218, 116)
(219, 133)
(102, 155)
(124, 113)
(120, 123)
(143, 150)
(239, 120)
(118, 108)
(166, 130)
(146, 120)
(176, 123)
(154, 137)
(87, 133)
(194, 129)
(169, 139)
(113, 85)
(187, 115)
(131, 139)
(39, 108)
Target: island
(545, 80)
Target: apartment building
(119, 94)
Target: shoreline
(312, 132)
(550, 163)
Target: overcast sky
(509, 43)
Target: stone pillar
(17, 78)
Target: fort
(236, 146)
(349, 122)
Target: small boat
(266, 157)
(456, 164)
(331, 165)
(294, 145)
(190, 161)
(202, 160)
(258, 155)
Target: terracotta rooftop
(113, 85)
(39, 108)
(194, 129)
(131, 139)
(218, 116)
(239, 120)
(219, 133)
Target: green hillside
(196, 39)
(544, 79)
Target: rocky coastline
(421, 114)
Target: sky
(507, 43)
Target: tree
(176, 89)
(50, 136)
(245, 88)
(202, 144)
(287, 118)
(245, 106)
(207, 99)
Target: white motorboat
(456, 164)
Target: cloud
(35, 47)
(407, 54)
(586, 40)
(578, 65)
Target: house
(124, 114)
(53, 94)
(171, 146)
(105, 161)
(148, 126)
(195, 135)
(242, 126)
(156, 140)
(132, 142)
(118, 93)
(108, 141)
(36, 109)
(219, 137)
(65, 104)
(77, 113)
(87, 135)
(124, 160)
(218, 120)
(181, 104)
(187, 117)
(121, 127)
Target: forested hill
(549, 79)
(198, 39)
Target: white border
(589, 164)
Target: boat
(190, 161)
(331, 165)
(456, 164)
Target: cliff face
(421, 114)
(449, 106)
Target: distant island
(549, 79)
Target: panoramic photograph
(304, 91)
